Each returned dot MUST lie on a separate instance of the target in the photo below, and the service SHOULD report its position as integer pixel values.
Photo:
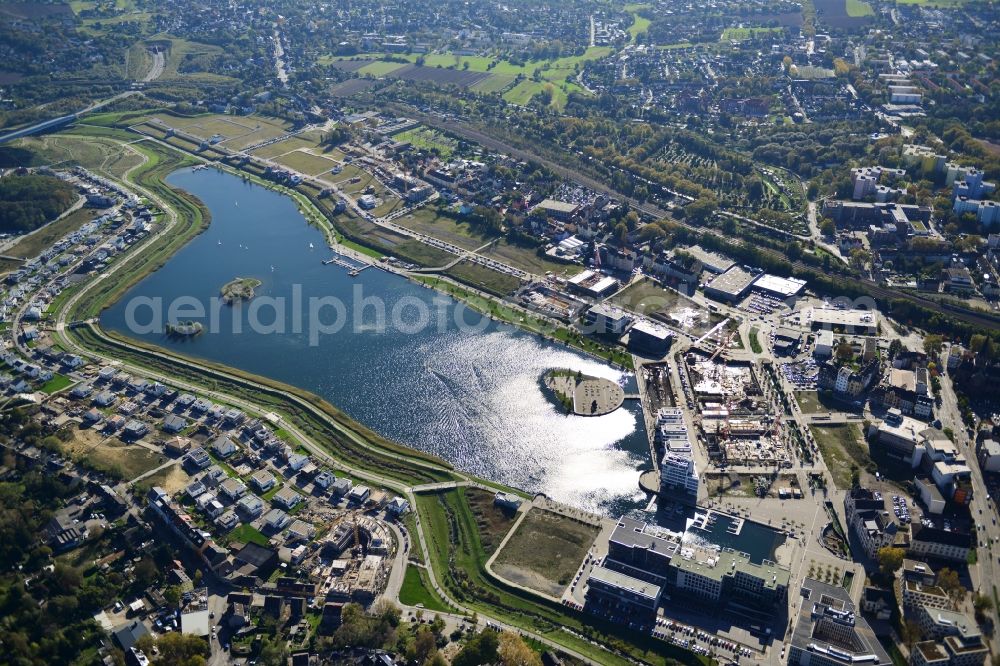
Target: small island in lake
(185, 329)
(240, 289)
(582, 394)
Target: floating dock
(353, 267)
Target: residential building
(276, 519)
(869, 521)
(224, 447)
(233, 488)
(262, 480)
(250, 507)
(287, 498)
(918, 587)
(939, 543)
(197, 459)
(988, 453)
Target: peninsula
(582, 394)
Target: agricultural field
(482, 74)
(354, 64)
(441, 76)
(545, 551)
(379, 68)
(352, 87)
(494, 84)
(306, 162)
(835, 13)
(857, 8)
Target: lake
(436, 376)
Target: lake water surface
(472, 397)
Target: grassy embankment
(458, 558)
(345, 439)
(417, 591)
(502, 312)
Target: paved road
(14, 240)
(314, 449)
(984, 512)
(876, 290)
(156, 67)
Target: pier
(353, 268)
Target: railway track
(877, 291)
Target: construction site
(734, 410)
(353, 561)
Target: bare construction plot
(545, 551)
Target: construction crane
(357, 537)
(723, 346)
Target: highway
(62, 121)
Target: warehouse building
(855, 322)
(731, 286)
(779, 287)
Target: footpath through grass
(417, 591)
(344, 439)
(502, 312)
